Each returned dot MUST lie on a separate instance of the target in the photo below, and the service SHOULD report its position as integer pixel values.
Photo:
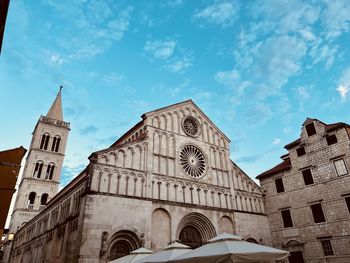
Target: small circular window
(192, 161)
(190, 126)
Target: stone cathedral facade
(168, 178)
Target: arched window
(31, 200)
(44, 141)
(56, 143)
(38, 169)
(49, 171)
(43, 201)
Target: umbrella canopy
(133, 256)
(227, 248)
(170, 252)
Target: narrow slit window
(43, 138)
(301, 151)
(287, 218)
(47, 139)
(347, 200)
(310, 129)
(279, 185)
(51, 172)
(307, 175)
(44, 199)
(57, 144)
(317, 213)
(327, 247)
(38, 169)
(53, 144)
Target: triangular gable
(180, 105)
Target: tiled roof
(335, 126)
(285, 165)
(292, 144)
(328, 127)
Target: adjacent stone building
(168, 178)
(307, 196)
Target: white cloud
(94, 26)
(336, 17)
(343, 91)
(279, 58)
(175, 59)
(69, 172)
(160, 49)
(173, 3)
(323, 52)
(223, 13)
(56, 59)
(286, 130)
(179, 65)
(232, 79)
(228, 78)
(344, 85)
(302, 93)
(276, 141)
(285, 16)
(112, 78)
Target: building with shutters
(307, 195)
(168, 178)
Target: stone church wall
(155, 223)
(139, 193)
(253, 226)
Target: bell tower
(43, 167)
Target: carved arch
(199, 222)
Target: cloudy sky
(256, 68)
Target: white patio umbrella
(172, 251)
(227, 248)
(133, 256)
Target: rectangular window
(327, 247)
(340, 167)
(301, 151)
(310, 129)
(347, 200)
(307, 177)
(317, 213)
(279, 185)
(331, 139)
(287, 218)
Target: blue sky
(256, 68)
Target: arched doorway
(122, 243)
(190, 236)
(195, 229)
(296, 250)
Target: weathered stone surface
(329, 189)
(140, 192)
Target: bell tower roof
(55, 111)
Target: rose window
(191, 126)
(192, 161)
